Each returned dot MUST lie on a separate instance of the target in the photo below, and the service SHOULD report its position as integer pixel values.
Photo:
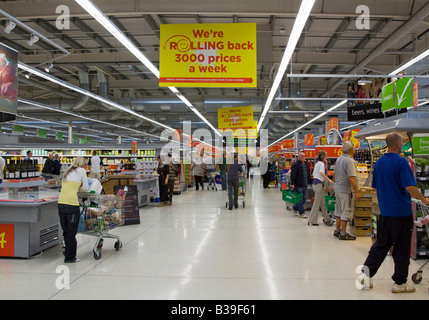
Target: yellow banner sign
(236, 117)
(208, 55)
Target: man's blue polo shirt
(392, 174)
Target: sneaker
(403, 288)
(72, 261)
(303, 216)
(336, 233)
(347, 236)
(230, 208)
(160, 204)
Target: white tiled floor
(197, 249)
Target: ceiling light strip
(41, 105)
(114, 30)
(300, 21)
(67, 85)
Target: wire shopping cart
(241, 191)
(211, 175)
(99, 215)
(421, 223)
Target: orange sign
(334, 151)
(134, 147)
(332, 124)
(287, 144)
(308, 139)
(310, 153)
(7, 237)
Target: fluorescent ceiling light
(87, 93)
(113, 29)
(411, 62)
(44, 106)
(300, 21)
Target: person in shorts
(345, 176)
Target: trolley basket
(292, 196)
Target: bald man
(395, 184)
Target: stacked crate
(362, 220)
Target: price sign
(333, 151)
(7, 240)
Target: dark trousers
(232, 187)
(163, 190)
(170, 187)
(198, 182)
(396, 231)
(69, 220)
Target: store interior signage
(208, 55)
(8, 79)
(421, 145)
(398, 94)
(359, 109)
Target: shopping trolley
(422, 209)
(99, 215)
(241, 191)
(211, 175)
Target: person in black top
(48, 167)
(300, 178)
(163, 171)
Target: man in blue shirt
(395, 184)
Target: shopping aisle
(197, 249)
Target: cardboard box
(363, 203)
(116, 180)
(363, 212)
(362, 222)
(361, 231)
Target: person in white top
(95, 163)
(319, 177)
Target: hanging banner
(308, 140)
(208, 55)
(8, 79)
(358, 109)
(289, 143)
(333, 151)
(236, 118)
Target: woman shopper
(319, 177)
(74, 180)
(197, 170)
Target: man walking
(300, 178)
(395, 182)
(345, 180)
(95, 164)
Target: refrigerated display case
(29, 221)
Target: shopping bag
(292, 196)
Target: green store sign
(397, 95)
(421, 145)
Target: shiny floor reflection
(198, 249)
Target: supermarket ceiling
(335, 41)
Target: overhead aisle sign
(208, 55)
